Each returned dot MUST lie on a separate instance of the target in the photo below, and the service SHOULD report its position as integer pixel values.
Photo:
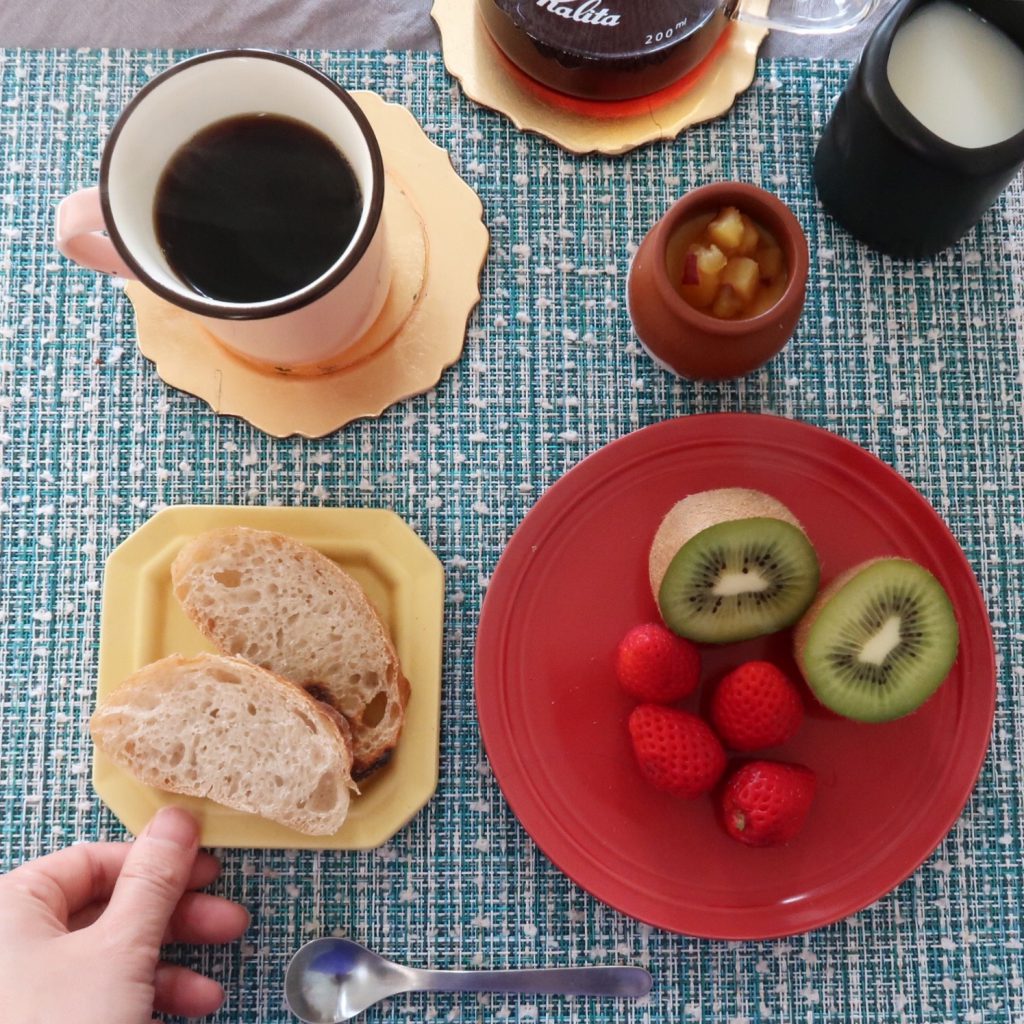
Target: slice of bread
(290, 609)
(222, 728)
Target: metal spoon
(332, 980)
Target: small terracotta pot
(695, 344)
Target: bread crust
(289, 581)
(224, 729)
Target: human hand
(81, 930)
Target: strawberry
(657, 666)
(677, 752)
(765, 803)
(756, 706)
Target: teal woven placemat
(920, 364)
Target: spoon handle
(626, 982)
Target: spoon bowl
(332, 980)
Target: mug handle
(81, 237)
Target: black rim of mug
(902, 123)
(288, 303)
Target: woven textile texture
(918, 363)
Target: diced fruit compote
(744, 275)
(728, 304)
(727, 229)
(701, 273)
(727, 265)
(770, 262)
(751, 239)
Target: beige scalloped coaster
(438, 244)
(582, 126)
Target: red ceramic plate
(573, 580)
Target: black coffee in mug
(255, 207)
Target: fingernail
(174, 825)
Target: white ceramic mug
(112, 229)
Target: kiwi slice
(878, 641)
(731, 564)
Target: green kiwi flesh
(882, 644)
(739, 579)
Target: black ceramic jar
(889, 180)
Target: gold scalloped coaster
(438, 244)
(581, 126)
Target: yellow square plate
(404, 580)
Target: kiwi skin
(697, 512)
(712, 512)
(802, 630)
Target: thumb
(153, 879)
